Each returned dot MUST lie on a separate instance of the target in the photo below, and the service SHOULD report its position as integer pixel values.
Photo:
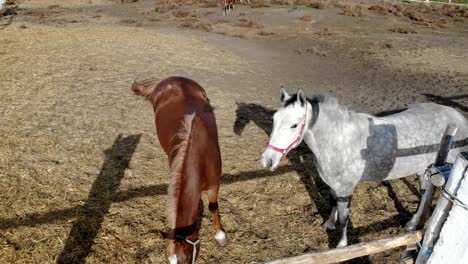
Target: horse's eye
(294, 126)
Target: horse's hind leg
(330, 223)
(427, 193)
(343, 204)
(213, 207)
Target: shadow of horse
(448, 101)
(90, 217)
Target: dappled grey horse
(350, 147)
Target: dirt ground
(82, 176)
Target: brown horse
(229, 5)
(186, 129)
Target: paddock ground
(82, 176)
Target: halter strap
(297, 141)
(194, 244)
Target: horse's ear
(284, 95)
(301, 98)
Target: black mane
(311, 100)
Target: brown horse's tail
(145, 88)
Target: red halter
(295, 143)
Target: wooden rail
(352, 251)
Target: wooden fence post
(443, 207)
(424, 206)
(426, 199)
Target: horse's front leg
(343, 205)
(225, 6)
(220, 235)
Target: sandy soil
(81, 171)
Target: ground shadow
(34, 219)
(448, 100)
(301, 159)
(91, 215)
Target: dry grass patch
(54, 6)
(324, 32)
(265, 33)
(194, 23)
(317, 5)
(210, 3)
(166, 6)
(380, 9)
(128, 21)
(355, 11)
(259, 4)
(403, 30)
(248, 23)
(306, 18)
(182, 13)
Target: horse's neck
(187, 209)
(328, 127)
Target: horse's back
(416, 134)
(429, 117)
(173, 99)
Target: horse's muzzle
(270, 159)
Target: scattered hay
(259, 5)
(210, 3)
(128, 21)
(54, 6)
(248, 24)
(207, 13)
(40, 12)
(355, 11)
(380, 9)
(414, 16)
(194, 23)
(403, 30)
(8, 12)
(324, 32)
(165, 7)
(317, 5)
(181, 13)
(282, 2)
(265, 33)
(306, 18)
(221, 21)
(311, 51)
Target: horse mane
(177, 169)
(327, 102)
(145, 88)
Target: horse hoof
(410, 226)
(221, 238)
(408, 256)
(326, 226)
(342, 244)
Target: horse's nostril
(269, 163)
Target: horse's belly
(406, 166)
